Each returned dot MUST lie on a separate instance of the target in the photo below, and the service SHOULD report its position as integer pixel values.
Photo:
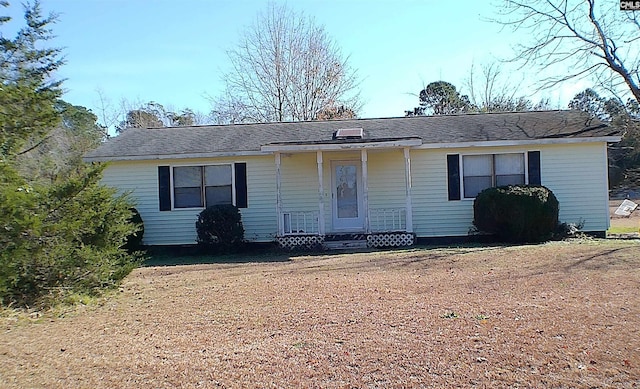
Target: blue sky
(173, 52)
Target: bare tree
(228, 109)
(488, 92)
(333, 111)
(491, 91)
(594, 39)
(107, 115)
(285, 68)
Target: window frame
(202, 184)
(493, 169)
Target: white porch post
(320, 194)
(365, 189)
(278, 196)
(407, 175)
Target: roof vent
(349, 133)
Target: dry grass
(562, 315)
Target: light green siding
(178, 226)
(387, 179)
(576, 173)
(433, 214)
(299, 177)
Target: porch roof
(430, 131)
(343, 144)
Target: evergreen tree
(62, 236)
(440, 98)
(29, 89)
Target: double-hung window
(488, 170)
(202, 186)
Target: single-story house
(383, 181)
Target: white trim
(319, 161)
(308, 147)
(278, 194)
(605, 187)
(493, 168)
(202, 192)
(527, 142)
(361, 219)
(408, 203)
(364, 158)
(414, 143)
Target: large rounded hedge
(220, 228)
(517, 213)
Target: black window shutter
(241, 184)
(453, 176)
(164, 188)
(534, 168)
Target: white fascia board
(175, 156)
(497, 143)
(413, 143)
(341, 146)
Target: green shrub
(61, 239)
(220, 228)
(133, 242)
(518, 213)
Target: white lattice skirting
(391, 239)
(297, 242)
(312, 242)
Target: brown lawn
(558, 315)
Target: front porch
(344, 195)
(388, 228)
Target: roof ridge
(359, 119)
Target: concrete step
(345, 244)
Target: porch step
(345, 236)
(345, 244)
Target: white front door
(346, 194)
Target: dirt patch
(562, 315)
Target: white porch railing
(380, 220)
(387, 219)
(299, 222)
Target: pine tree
(58, 237)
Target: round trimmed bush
(220, 227)
(517, 213)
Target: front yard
(562, 315)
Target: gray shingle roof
(157, 142)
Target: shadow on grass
(267, 253)
(620, 257)
(193, 255)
